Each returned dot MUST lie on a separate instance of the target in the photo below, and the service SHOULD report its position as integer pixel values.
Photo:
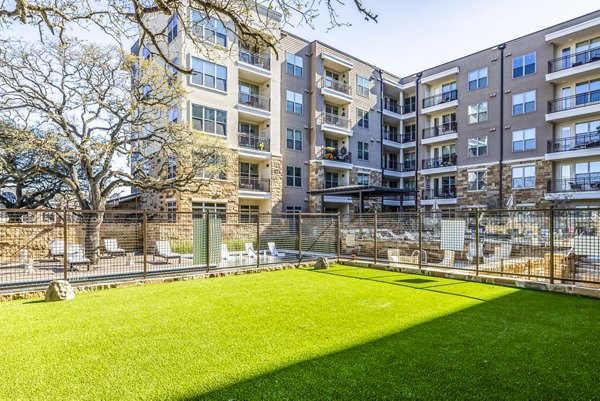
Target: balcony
(438, 165)
(393, 110)
(444, 196)
(578, 105)
(253, 66)
(335, 125)
(334, 91)
(409, 137)
(409, 166)
(254, 147)
(583, 186)
(395, 169)
(580, 65)
(409, 108)
(440, 102)
(255, 184)
(336, 159)
(254, 107)
(581, 145)
(440, 133)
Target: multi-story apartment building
(320, 130)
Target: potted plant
(261, 146)
(329, 152)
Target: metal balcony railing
(574, 60)
(254, 142)
(440, 98)
(444, 193)
(391, 165)
(393, 107)
(410, 136)
(255, 101)
(443, 129)
(393, 136)
(334, 84)
(333, 154)
(255, 184)
(444, 161)
(409, 165)
(574, 101)
(577, 142)
(334, 119)
(581, 183)
(409, 108)
(255, 59)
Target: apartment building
(317, 129)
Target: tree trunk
(92, 222)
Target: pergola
(361, 192)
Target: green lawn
(342, 334)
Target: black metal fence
(550, 245)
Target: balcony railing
(255, 59)
(255, 184)
(581, 183)
(443, 129)
(255, 101)
(409, 137)
(409, 165)
(332, 154)
(441, 98)
(444, 193)
(334, 119)
(444, 161)
(254, 142)
(574, 101)
(393, 107)
(409, 108)
(392, 165)
(580, 141)
(334, 84)
(393, 136)
(574, 60)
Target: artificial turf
(346, 333)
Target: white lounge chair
(76, 256)
(448, 260)
(501, 252)
(112, 247)
(473, 251)
(273, 250)
(250, 249)
(163, 250)
(225, 252)
(57, 248)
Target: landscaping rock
(322, 264)
(59, 290)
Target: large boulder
(322, 263)
(59, 290)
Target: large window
(478, 112)
(478, 146)
(293, 176)
(363, 118)
(209, 120)
(331, 179)
(214, 208)
(171, 211)
(294, 64)
(172, 28)
(523, 103)
(523, 140)
(587, 173)
(171, 167)
(523, 177)
(362, 86)
(587, 132)
(523, 65)
(294, 139)
(587, 92)
(211, 30)
(477, 180)
(586, 51)
(293, 102)
(209, 74)
(248, 213)
(362, 179)
(214, 168)
(363, 151)
(478, 78)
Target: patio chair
(57, 248)
(273, 250)
(448, 260)
(225, 252)
(473, 251)
(501, 252)
(112, 247)
(76, 256)
(163, 250)
(250, 249)
(409, 236)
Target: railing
(443, 129)
(409, 165)
(446, 193)
(574, 60)
(409, 137)
(254, 142)
(409, 108)
(393, 107)
(574, 101)
(440, 98)
(581, 183)
(335, 85)
(255, 101)
(444, 161)
(393, 136)
(334, 119)
(255, 184)
(255, 59)
(580, 141)
(336, 155)
(391, 165)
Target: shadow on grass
(416, 281)
(525, 345)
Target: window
(477, 180)
(363, 118)
(294, 64)
(171, 209)
(523, 177)
(209, 74)
(293, 210)
(293, 102)
(362, 85)
(478, 146)
(523, 103)
(478, 78)
(294, 139)
(294, 176)
(214, 168)
(586, 133)
(587, 92)
(363, 151)
(172, 28)
(587, 173)
(211, 29)
(587, 51)
(218, 209)
(331, 179)
(248, 213)
(173, 115)
(524, 65)
(523, 140)
(478, 112)
(209, 120)
(171, 167)
(363, 179)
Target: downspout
(501, 169)
(417, 134)
(381, 129)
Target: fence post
(338, 237)
(258, 240)
(551, 234)
(299, 237)
(65, 245)
(420, 220)
(375, 238)
(477, 242)
(145, 242)
(207, 241)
